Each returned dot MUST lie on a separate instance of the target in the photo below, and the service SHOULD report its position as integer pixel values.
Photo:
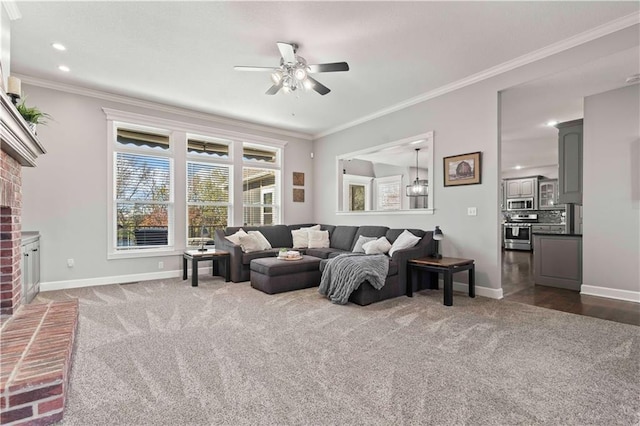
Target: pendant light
(419, 188)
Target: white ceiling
(526, 139)
(183, 53)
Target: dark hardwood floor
(518, 286)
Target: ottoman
(272, 275)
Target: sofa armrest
(235, 254)
(422, 249)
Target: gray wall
(464, 121)
(611, 200)
(65, 197)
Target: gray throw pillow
(361, 240)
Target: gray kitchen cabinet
(548, 194)
(570, 162)
(557, 261)
(30, 266)
(522, 188)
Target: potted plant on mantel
(32, 115)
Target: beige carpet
(162, 352)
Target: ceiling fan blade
(274, 89)
(332, 67)
(318, 87)
(287, 53)
(243, 68)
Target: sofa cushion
(275, 267)
(379, 246)
(318, 239)
(369, 231)
(405, 240)
(393, 234)
(323, 253)
(235, 237)
(265, 244)
(357, 248)
(277, 235)
(342, 237)
(250, 243)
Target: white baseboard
(492, 293)
(116, 279)
(611, 293)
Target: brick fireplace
(10, 227)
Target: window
(260, 185)
(143, 197)
(208, 187)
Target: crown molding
(569, 43)
(77, 90)
(11, 6)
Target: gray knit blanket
(344, 273)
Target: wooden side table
(447, 266)
(216, 256)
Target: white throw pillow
(361, 240)
(301, 236)
(404, 240)
(265, 244)
(235, 238)
(319, 239)
(250, 243)
(379, 246)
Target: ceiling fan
(293, 72)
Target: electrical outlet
(472, 211)
(70, 263)
(160, 265)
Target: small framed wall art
(298, 195)
(298, 179)
(465, 169)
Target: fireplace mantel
(15, 137)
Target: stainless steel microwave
(520, 204)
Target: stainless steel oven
(520, 204)
(517, 231)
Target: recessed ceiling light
(64, 68)
(552, 123)
(58, 46)
(518, 167)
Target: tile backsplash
(544, 216)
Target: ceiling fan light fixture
(300, 73)
(276, 77)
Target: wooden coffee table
(216, 256)
(447, 266)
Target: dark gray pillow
(361, 240)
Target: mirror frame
(405, 141)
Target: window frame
(276, 167)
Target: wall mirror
(392, 177)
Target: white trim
(157, 106)
(610, 293)
(492, 293)
(536, 55)
(11, 6)
(118, 279)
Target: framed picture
(298, 195)
(465, 169)
(298, 178)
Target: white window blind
(259, 195)
(207, 200)
(142, 200)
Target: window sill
(132, 254)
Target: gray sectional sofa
(342, 240)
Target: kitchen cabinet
(557, 261)
(548, 194)
(522, 188)
(570, 162)
(30, 266)
(503, 197)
